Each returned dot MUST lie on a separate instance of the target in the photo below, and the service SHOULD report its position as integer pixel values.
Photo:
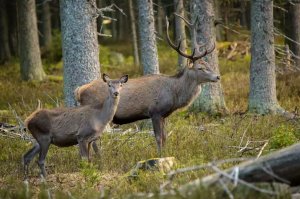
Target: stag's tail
(29, 118)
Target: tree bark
(219, 34)
(149, 57)
(294, 29)
(134, 36)
(30, 56)
(13, 27)
(282, 166)
(262, 97)
(243, 13)
(121, 26)
(4, 38)
(211, 99)
(79, 45)
(180, 32)
(114, 31)
(160, 17)
(55, 15)
(45, 27)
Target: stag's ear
(105, 77)
(124, 79)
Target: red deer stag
(70, 126)
(156, 96)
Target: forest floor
(194, 138)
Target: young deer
(155, 96)
(70, 126)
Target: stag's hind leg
(95, 147)
(83, 148)
(28, 156)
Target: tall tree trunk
(226, 13)
(134, 36)
(294, 29)
(45, 27)
(180, 31)
(30, 56)
(55, 15)
(4, 39)
(114, 31)
(149, 57)
(121, 26)
(211, 99)
(160, 17)
(100, 4)
(79, 45)
(243, 13)
(219, 34)
(13, 27)
(262, 97)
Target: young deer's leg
(44, 147)
(158, 127)
(27, 157)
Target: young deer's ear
(124, 79)
(105, 77)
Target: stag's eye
(109, 85)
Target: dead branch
(282, 166)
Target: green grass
(194, 139)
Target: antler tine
(177, 48)
(206, 52)
(184, 19)
(168, 36)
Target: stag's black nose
(218, 77)
(116, 94)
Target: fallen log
(282, 166)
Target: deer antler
(196, 54)
(177, 48)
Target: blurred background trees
(62, 28)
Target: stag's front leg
(160, 136)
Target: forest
(149, 99)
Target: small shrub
(283, 136)
(90, 173)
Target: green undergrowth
(193, 139)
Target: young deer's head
(201, 68)
(114, 86)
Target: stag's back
(137, 99)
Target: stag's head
(201, 68)
(115, 86)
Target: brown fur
(151, 96)
(69, 126)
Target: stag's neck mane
(186, 87)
